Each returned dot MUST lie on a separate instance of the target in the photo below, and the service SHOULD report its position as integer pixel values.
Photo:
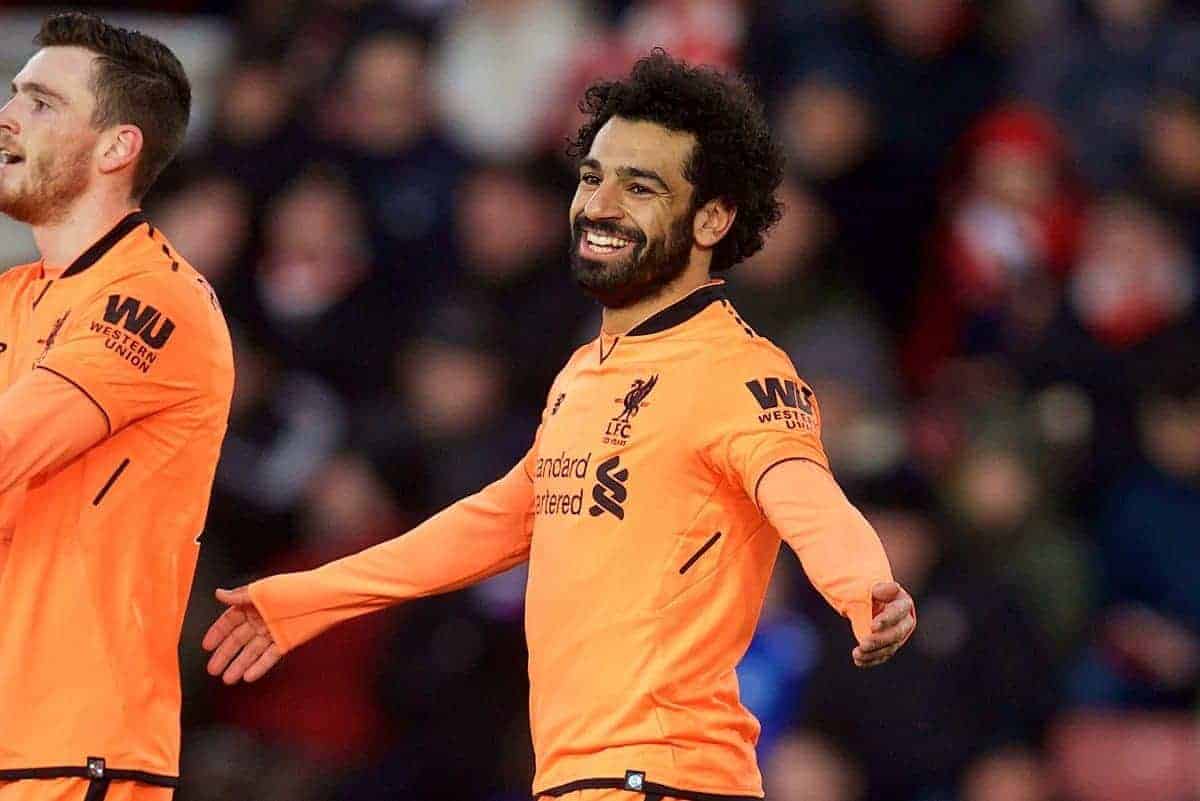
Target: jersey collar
(681, 310)
(105, 243)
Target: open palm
(241, 643)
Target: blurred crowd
(988, 272)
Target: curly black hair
(735, 157)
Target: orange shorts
(77, 790)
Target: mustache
(607, 228)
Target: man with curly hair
(675, 450)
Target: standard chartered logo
(609, 492)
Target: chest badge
(620, 427)
(48, 341)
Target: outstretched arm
(841, 554)
(475, 538)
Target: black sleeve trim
(107, 419)
(775, 464)
(648, 788)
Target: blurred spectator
(283, 427)
(808, 767)
(1007, 520)
(879, 98)
(1148, 646)
(448, 406)
(1010, 774)
(320, 298)
(255, 135)
(343, 723)
(212, 216)
(781, 657)
(511, 241)
(378, 117)
(497, 67)
(1099, 76)
(1171, 151)
(1009, 239)
(1133, 287)
(973, 680)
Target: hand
(894, 620)
(240, 632)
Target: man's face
(632, 214)
(46, 136)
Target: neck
(64, 240)
(618, 321)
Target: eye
(39, 105)
(591, 179)
(640, 189)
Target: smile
(597, 245)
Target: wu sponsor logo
(610, 493)
(796, 399)
(147, 322)
(620, 427)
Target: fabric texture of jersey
(649, 557)
(99, 554)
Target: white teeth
(606, 241)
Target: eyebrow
(628, 172)
(38, 88)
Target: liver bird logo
(634, 398)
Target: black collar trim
(679, 312)
(106, 243)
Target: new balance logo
(609, 492)
(139, 320)
(772, 391)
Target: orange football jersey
(649, 556)
(99, 553)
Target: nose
(603, 205)
(8, 122)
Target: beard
(649, 267)
(50, 187)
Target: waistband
(635, 781)
(96, 769)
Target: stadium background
(987, 271)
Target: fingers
(264, 663)
(246, 658)
(891, 630)
(222, 627)
(886, 591)
(229, 646)
(893, 614)
(239, 596)
(864, 659)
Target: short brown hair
(137, 81)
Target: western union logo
(148, 323)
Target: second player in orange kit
(675, 451)
(115, 380)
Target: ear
(712, 222)
(120, 147)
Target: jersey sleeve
(45, 422)
(754, 412)
(473, 539)
(145, 343)
(839, 550)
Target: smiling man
(675, 451)
(115, 379)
